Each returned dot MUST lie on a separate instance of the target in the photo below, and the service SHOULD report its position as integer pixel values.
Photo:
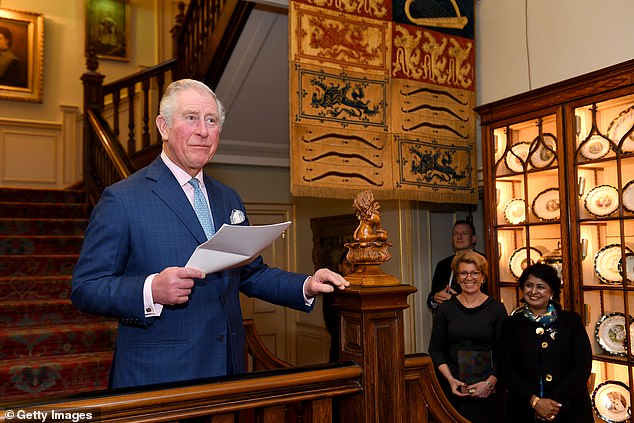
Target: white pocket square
(237, 216)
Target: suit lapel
(166, 187)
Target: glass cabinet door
(527, 198)
(604, 191)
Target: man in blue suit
(176, 323)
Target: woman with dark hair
(545, 355)
(464, 338)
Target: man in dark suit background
(444, 284)
(176, 323)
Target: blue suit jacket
(140, 226)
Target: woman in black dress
(546, 357)
(463, 344)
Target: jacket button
(221, 338)
(539, 331)
(544, 344)
(548, 377)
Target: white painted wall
(565, 38)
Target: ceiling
(254, 91)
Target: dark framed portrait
(108, 28)
(21, 55)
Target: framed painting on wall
(21, 55)
(108, 29)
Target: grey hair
(168, 102)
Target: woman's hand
(453, 382)
(459, 388)
(547, 409)
(481, 389)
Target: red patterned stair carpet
(47, 347)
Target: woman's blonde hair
(470, 257)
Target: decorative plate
(516, 158)
(546, 205)
(515, 211)
(606, 263)
(628, 196)
(517, 262)
(595, 148)
(611, 401)
(629, 267)
(610, 333)
(602, 200)
(545, 151)
(619, 127)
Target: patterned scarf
(546, 319)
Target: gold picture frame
(22, 60)
(108, 29)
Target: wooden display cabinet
(559, 187)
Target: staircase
(47, 347)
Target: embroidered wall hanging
(382, 96)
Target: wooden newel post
(371, 322)
(93, 100)
(372, 335)
(177, 49)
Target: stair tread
(35, 236)
(36, 219)
(47, 301)
(41, 203)
(13, 279)
(66, 358)
(69, 327)
(22, 256)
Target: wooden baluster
(116, 100)
(318, 411)
(131, 96)
(145, 136)
(223, 418)
(160, 82)
(275, 414)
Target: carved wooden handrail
(108, 162)
(424, 396)
(260, 356)
(266, 394)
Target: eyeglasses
(474, 275)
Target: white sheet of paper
(234, 244)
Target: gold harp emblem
(457, 22)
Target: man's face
(462, 238)
(191, 140)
